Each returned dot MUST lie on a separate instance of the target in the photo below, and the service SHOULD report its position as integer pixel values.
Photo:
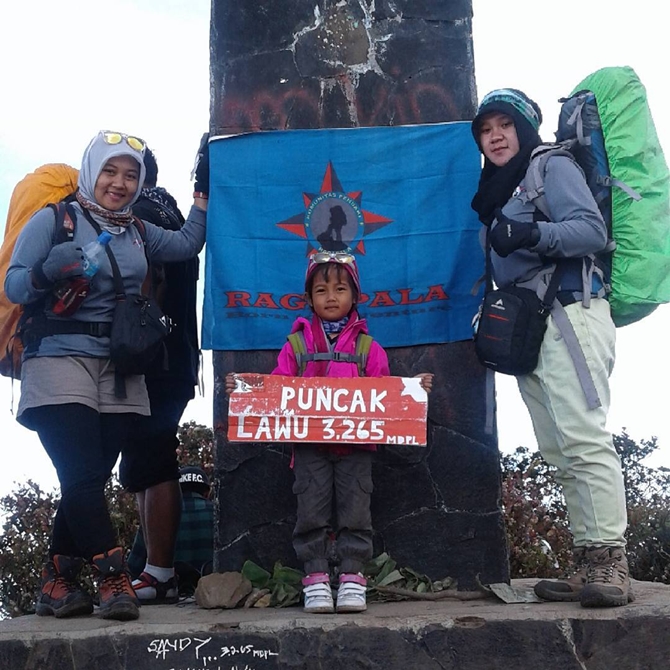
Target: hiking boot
(607, 580)
(351, 594)
(318, 594)
(117, 598)
(570, 588)
(60, 594)
(150, 591)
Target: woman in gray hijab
(69, 389)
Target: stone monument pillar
(301, 65)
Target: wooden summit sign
(362, 410)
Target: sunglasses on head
(333, 257)
(112, 137)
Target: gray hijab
(94, 160)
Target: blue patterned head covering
(525, 112)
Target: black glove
(201, 169)
(509, 235)
(64, 260)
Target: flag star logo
(334, 219)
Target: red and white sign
(362, 410)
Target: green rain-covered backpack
(606, 126)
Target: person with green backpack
(567, 393)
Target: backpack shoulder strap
(297, 342)
(66, 221)
(32, 321)
(148, 283)
(302, 356)
(363, 345)
(537, 169)
(141, 228)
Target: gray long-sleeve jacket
(576, 229)
(36, 240)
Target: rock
(264, 601)
(255, 596)
(225, 590)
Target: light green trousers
(573, 438)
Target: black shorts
(150, 456)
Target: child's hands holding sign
(231, 382)
(426, 380)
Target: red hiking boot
(60, 594)
(117, 598)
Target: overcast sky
(73, 67)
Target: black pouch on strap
(512, 323)
(511, 328)
(138, 330)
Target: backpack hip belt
(93, 328)
(38, 331)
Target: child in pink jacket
(338, 473)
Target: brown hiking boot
(117, 598)
(60, 594)
(607, 580)
(570, 588)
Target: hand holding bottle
(69, 294)
(64, 260)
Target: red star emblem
(333, 219)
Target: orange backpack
(49, 183)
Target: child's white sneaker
(318, 594)
(351, 594)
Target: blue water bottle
(70, 293)
(92, 253)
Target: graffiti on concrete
(274, 109)
(192, 653)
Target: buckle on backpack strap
(100, 329)
(343, 357)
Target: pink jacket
(377, 364)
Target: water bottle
(70, 293)
(92, 253)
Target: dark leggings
(83, 445)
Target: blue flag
(398, 198)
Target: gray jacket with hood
(576, 230)
(36, 240)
